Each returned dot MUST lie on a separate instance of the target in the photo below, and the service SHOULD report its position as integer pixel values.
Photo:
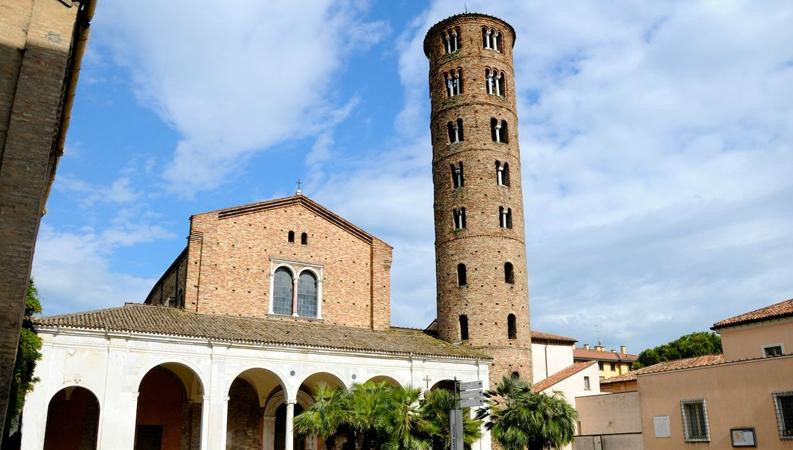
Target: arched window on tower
(491, 39)
(509, 218)
(459, 218)
(458, 178)
(454, 82)
(451, 40)
(462, 275)
(282, 291)
(304, 238)
(290, 237)
(495, 130)
(504, 134)
(463, 327)
(504, 217)
(502, 173)
(509, 273)
(501, 84)
(512, 327)
(455, 131)
(307, 295)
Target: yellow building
(610, 363)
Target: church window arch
(512, 327)
(307, 294)
(462, 275)
(509, 273)
(451, 40)
(283, 285)
(491, 39)
(454, 82)
(290, 237)
(459, 218)
(502, 173)
(455, 130)
(504, 217)
(458, 178)
(304, 238)
(495, 82)
(463, 327)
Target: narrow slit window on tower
(501, 84)
(459, 218)
(458, 179)
(462, 275)
(509, 218)
(512, 327)
(290, 237)
(455, 130)
(304, 238)
(504, 132)
(509, 273)
(463, 327)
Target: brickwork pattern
(230, 261)
(244, 423)
(484, 246)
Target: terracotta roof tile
(539, 335)
(159, 320)
(563, 374)
(597, 355)
(686, 363)
(775, 311)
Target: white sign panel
(661, 426)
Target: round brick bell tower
(480, 254)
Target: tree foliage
(28, 352)
(695, 344)
(378, 415)
(518, 418)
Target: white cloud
(656, 157)
(234, 80)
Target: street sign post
(469, 395)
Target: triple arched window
(495, 81)
(499, 130)
(454, 82)
(455, 130)
(451, 40)
(491, 39)
(296, 295)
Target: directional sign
(470, 385)
(470, 394)
(470, 402)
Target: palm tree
(326, 416)
(409, 428)
(435, 408)
(519, 418)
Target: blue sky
(655, 142)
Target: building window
(454, 82)
(695, 421)
(462, 276)
(451, 40)
(586, 384)
(509, 273)
(504, 217)
(515, 375)
(612, 366)
(463, 327)
(304, 238)
(512, 327)
(458, 179)
(459, 218)
(282, 291)
(495, 82)
(502, 173)
(499, 130)
(772, 351)
(600, 365)
(784, 414)
(455, 131)
(290, 237)
(307, 295)
(491, 39)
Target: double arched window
(504, 217)
(495, 81)
(459, 218)
(502, 173)
(458, 179)
(499, 131)
(455, 130)
(454, 82)
(292, 296)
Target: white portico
(125, 366)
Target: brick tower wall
(483, 245)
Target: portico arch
(72, 420)
(384, 378)
(248, 423)
(169, 412)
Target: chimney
(623, 350)
(586, 346)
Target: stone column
(294, 296)
(290, 419)
(205, 423)
(268, 433)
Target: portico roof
(286, 332)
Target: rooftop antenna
(466, 8)
(299, 191)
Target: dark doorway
(280, 429)
(72, 420)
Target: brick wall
(232, 253)
(483, 245)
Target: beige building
(41, 46)
(611, 363)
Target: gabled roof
(298, 199)
(775, 311)
(678, 364)
(561, 375)
(540, 336)
(164, 321)
(598, 355)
